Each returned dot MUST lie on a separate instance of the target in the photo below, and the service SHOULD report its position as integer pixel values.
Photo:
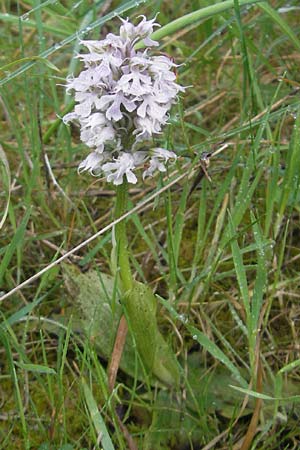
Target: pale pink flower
(123, 92)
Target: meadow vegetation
(216, 238)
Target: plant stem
(126, 281)
(194, 16)
(121, 238)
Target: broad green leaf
(91, 294)
(157, 356)
(94, 315)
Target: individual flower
(123, 98)
(93, 163)
(140, 32)
(160, 156)
(123, 165)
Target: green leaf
(240, 270)
(96, 417)
(275, 16)
(91, 293)
(291, 180)
(11, 18)
(294, 398)
(216, 352)
(261, 275)
(289, 367)
(195, 16)
(73, 37)
(67, 447)
(180, 221)
(157, 356)
(210, 346)
(30, 58)
(6, 181)
(95, 314)
(23, 312)
(35, 368)
(16, 240)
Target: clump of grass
(219, 246)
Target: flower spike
(123, 97)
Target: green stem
(121, 238)
(194, 16)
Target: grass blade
(97, 23)
(202, 13)
(276, 17)
(16, 240)
(96, 417)
(209, 345)
(6, 181)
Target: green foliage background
(219, 248)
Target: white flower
(142, 31)
(155, 164)
(123, 97)
(158, 161)
(151, 107)
(145, 127)
(115, 171)
(116, 101)
(162, 153)
(93, 163)
(96, 135)
(135, 83)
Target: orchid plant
(123, 98)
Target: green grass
(222, 256)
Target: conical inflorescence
(123, 97)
